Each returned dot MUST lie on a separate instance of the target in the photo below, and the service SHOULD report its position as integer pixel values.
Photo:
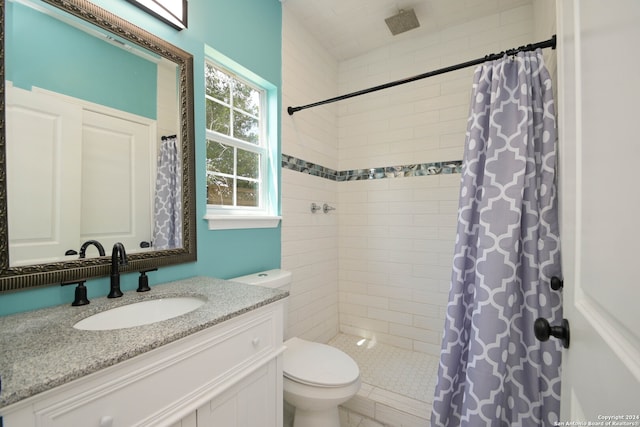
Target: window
(238, 181)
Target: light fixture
(172, 12)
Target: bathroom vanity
(220, 364)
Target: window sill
(230, 222)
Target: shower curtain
(493, 371)
(167, 233)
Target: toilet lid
(318, 364)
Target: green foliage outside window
(233, 167)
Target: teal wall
(247, 32)
(53, 62)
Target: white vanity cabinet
(246, 404)
(227, 375)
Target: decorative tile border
(298, 165)
(421, 169)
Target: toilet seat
(318, 364)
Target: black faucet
(118, 257)
(85, 245)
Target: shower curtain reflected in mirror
(167, 232)
(493, 371)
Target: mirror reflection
(99, 145)
(88, 164)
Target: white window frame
(222, 217)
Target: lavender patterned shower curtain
(167, 233)
(493, 371)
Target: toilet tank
(277, 279)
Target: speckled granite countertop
(41, 349)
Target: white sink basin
(139, 313)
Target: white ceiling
(349, 28)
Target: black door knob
(543, 331)
(556, 283)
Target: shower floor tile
(398, 384)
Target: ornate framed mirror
(83, 126)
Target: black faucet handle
(81, 292)
(143, 280)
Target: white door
(118, 157)
(599, 112)
(43, 177)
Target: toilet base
(326, 418)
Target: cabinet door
(188, 421)
(252, 402)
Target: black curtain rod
(492, 57)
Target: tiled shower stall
(378, 266)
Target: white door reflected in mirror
(87, 177)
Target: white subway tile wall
(381, 262)
(309, 241)
(396, 241)
(310, 251)
(308, 73)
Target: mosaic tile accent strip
(420, 169)
(299, 165)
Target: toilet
(317, 377)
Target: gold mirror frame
(31, 276)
